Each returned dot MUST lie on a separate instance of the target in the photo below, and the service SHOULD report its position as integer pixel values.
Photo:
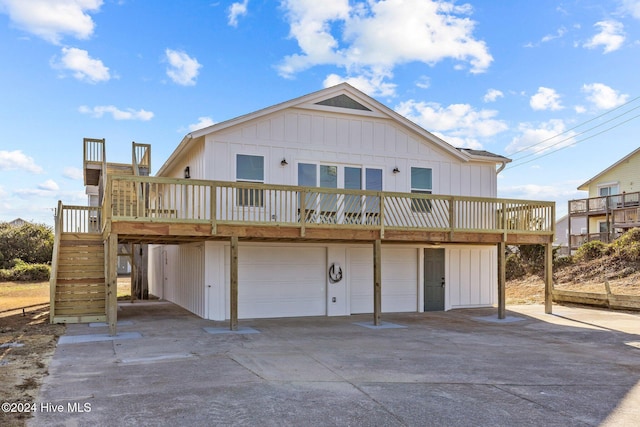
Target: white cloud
(611, 36)
(458, 124)
(73, 173)
(492, 95)
(52, 19)
(580, 109)
(561, 32)
(373, 84)
(632, 7)
(236, 10)
(82, 66)
(15, 160)
(540, 138)
(117, 114)
(203, 122)
(183, 69)
(424, 82)
(603, 97)
(546, 99)
(49, 185)
(373, 37)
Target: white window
(250, 169)
(608, 190)
(421, 183)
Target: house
(561, 241)
(612, 206)
(329, 204)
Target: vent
(343, 101)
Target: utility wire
(578, 125)
(574, 136)
(571, 145)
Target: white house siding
(351, 140)
(399, 279)
(184, 272)
(471, 276)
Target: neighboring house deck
(290, 240)
(613, 205)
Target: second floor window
(250, 169)
(421, 183)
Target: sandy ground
(27, 342)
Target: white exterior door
(281, 281)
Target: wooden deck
(163, 210)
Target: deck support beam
(502, 279)
(548, 278)
(377, 282)
(111, 277)
(233, 315)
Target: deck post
(548, 278)
(233, 316)
(502, 279)
(111, 273)
(377, 282)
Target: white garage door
(281, 281)
(399, 279)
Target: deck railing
(153, 199)
(78, 219)
(596, 205)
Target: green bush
(563, 261)
(627, 246)
(591, 250)
(514, 268)
(22, 271)
(31, 243)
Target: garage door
(281, 281)
(399, 279)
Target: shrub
(514, 268)
(627, 246)
(591, 250)
(563, 261)
(32, 243)
(22, 271)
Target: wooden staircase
(79, 292)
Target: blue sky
(519, 78)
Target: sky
(551, 84)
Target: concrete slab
(382, 325)
(495, 319)
(75, 339)
(578, 367)
(241, 330)
(105, 324)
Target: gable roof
(343, 96)
(585, 186)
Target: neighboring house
(612, 206)
(561, 241)
(18, 222)
(329, 204)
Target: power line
(576, 135)
(578, 125)
(576, 143)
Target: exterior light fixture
(187, 173)
(284, 162)
(396, 170)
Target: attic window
(343, 101)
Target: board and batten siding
(471, 276)
(300, 135)
(184, 272)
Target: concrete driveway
(578, 367)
